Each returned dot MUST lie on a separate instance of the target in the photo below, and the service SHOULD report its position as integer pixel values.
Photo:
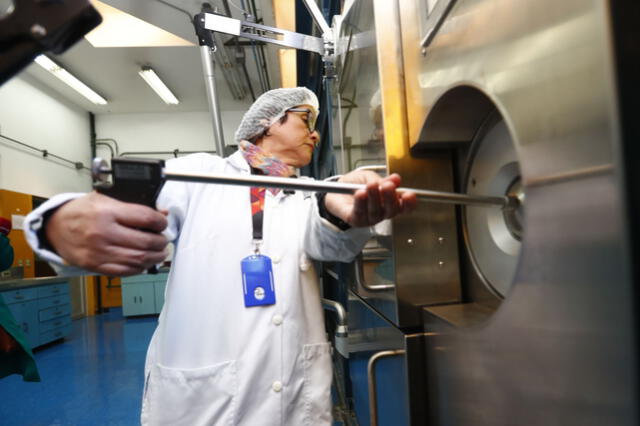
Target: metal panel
(398, 373)
(561, 347)
(423, 243)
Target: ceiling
(113, 72)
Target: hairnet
(270, 107)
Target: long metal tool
(337, 187)
(140, 181)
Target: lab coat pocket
(317, 384)
(200, 396)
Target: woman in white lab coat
(221, 355)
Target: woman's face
(291, 142)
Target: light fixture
(70, 80)
(158, 86)
(119, 29)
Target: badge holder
(257, 279)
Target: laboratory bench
(40, 306)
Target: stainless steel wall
(558, 344)
(560, 348)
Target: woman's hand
(107, 236)
(377, 202)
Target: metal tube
(315, 12)
(371, 379)
(335, 187)
(212, 97)
(341, 313)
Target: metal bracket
(434, 22)
(325, 46)
(253, 31)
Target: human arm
(367, 207)
(173, 200)
(96, 233)
(327, 240)
(104, 235)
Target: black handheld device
(133, 180)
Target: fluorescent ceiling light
(119, 29)
(70, 80)
(158, 86)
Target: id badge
(257, 281)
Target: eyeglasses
(311, 117)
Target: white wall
(186, 131)
(34, 114)
(30, 113)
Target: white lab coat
(211, 360)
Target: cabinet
(143, 294)
(42, 311)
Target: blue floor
(94, 377)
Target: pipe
(208, 68)
(175, 152)
(92, 134)
(115, 143)
(371, 379)
(341, 314)
(107, 145)
(77, 164)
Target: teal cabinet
(159, 288)
(26, 316)
(143, 294)
(42, 311)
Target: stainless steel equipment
(526, 317)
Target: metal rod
(212, 96)
(335, 187)
(318, 17)
(371, 381)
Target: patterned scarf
(265, 162)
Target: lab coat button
(277, 319)
(276, 386)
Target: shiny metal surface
(371, 379)
(336, 187)
(315, 12)
(263, 33)
(436, 16)
(561, 347)
(341, 333)
(500, 47)
(493, 168)
(424, 243)
(397, 378)
(208, 70)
